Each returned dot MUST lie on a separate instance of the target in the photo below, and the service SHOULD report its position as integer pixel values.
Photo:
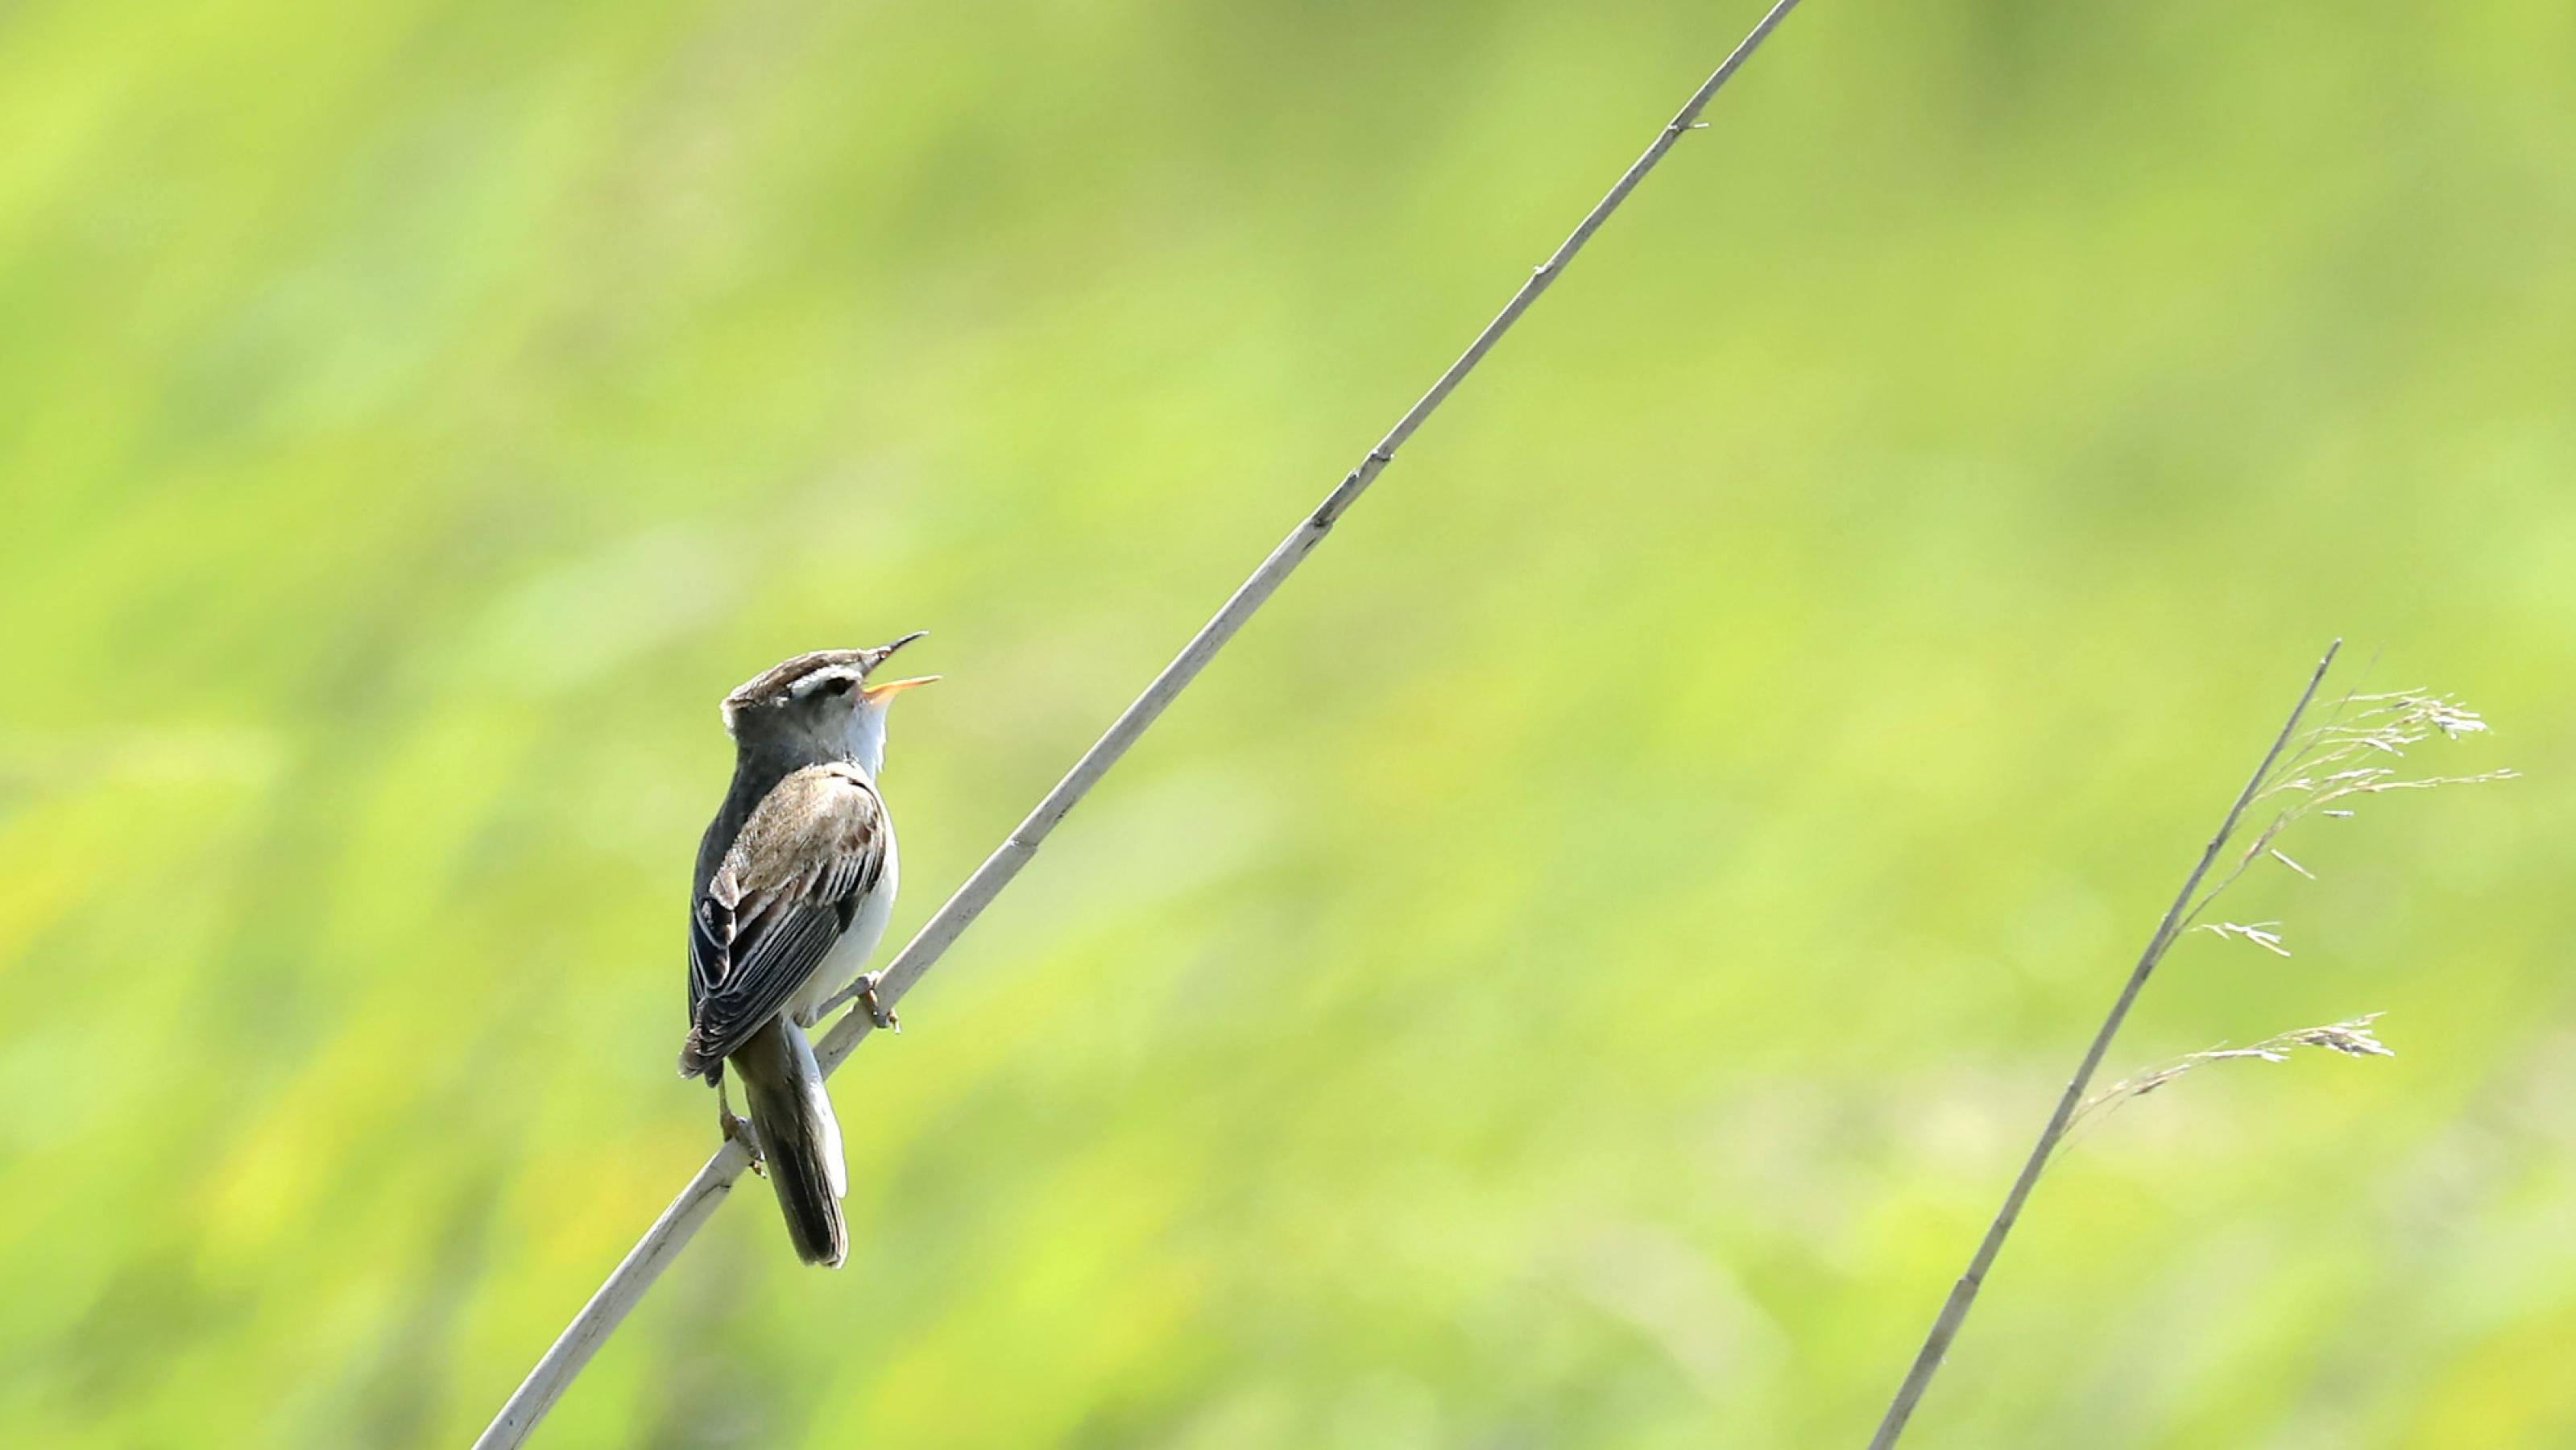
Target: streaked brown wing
(787, 889)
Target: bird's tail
(798, 1135)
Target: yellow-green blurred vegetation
(1579, 971)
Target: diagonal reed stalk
(1963, 1295)
(671, 1233)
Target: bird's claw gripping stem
(864, 991)
(734, 1127)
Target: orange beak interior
(877, 694)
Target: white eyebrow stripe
(818, 678)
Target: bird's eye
(838, 685)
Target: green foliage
(1578, 973)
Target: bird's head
(824, 702)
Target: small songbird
(795, 880)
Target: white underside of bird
(849, 955)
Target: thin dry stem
(2308, 774)
(1963, 1294)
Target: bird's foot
(739, 1129)
(879, 1012)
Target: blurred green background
(1578, 972)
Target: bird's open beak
(878, 694)
(870, 659)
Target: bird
(795, 881)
